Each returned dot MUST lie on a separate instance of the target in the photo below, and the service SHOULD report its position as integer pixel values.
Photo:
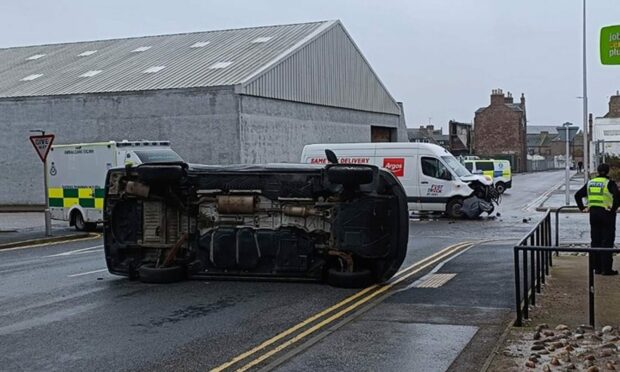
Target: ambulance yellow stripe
(55, 192)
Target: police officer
(603, 201)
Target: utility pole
(586, 153)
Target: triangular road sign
(42, 144)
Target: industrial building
(251, 95)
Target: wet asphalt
(60, 309)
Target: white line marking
(87, 273)
(76, 251)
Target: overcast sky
(441, 58)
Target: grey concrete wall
(276, 131)
(202, 125)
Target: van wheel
(454, 208)
(78, 221)
(345, 279)
(500, 187)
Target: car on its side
(345, 224)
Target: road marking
(96, 236)
(382, 289)
(435, 280)
(544, 196)
(87, 273)
(76, 251)
(437, 255)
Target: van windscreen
(456, 167)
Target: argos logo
(395, 165)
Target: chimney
(522, 104)
(497, 97)
(614, 106)
(430, 128)
(508, 98)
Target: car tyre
(90, 226)
(148, 273)
(344, 279)
(500, 187)
(349, 175)
(454, 208)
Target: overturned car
(343, 224)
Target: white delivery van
(433, 179)
(76, 175)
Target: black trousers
(602, 234)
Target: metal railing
(532, 259)
(535, 272)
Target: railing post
(519, 321)
(591, 288)
(557, 227)
(538, 271)
(543, 266)
(533, 276)
(526, 299)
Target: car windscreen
(158, 156)
(456, 167)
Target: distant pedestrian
(580, 166)
(603, 201)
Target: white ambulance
(433, 179)
(77, 174)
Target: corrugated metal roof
(328, 69)
(189, 61)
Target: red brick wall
(498, 130)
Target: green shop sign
(610, 45)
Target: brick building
(500, 130)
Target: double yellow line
(353, 302)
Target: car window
(469, 166)
(484, 165)
(432, 167)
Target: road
(61, 310)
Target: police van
(497, 170)
(77, 172)
(433, 179)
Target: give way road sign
(42, 144)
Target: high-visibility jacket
(598, 193)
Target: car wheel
(344, 279)
(454, 208)
(500, 187)
(348, 175)
(79, 223)
(150, 274)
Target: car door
(435, 184)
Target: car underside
(343, 224)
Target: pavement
(23, 228)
